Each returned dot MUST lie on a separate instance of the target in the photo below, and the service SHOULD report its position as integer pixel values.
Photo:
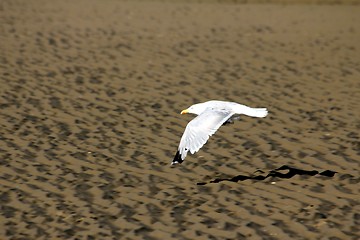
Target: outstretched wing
(199, 130)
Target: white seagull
(211, 115)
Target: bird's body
(211, 116)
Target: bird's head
(195, 109)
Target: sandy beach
(90, 96)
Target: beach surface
(90, 96)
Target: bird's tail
(256, 112)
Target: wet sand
(90, 99)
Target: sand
(91, 93)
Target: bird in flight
(211, 115)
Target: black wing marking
(177, 158)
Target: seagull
(211, 115)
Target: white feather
(211, 116)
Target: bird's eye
(186, 149)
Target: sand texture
(90, 96)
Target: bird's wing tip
(177, 159)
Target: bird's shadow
(274, 173)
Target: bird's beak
(184, 111)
